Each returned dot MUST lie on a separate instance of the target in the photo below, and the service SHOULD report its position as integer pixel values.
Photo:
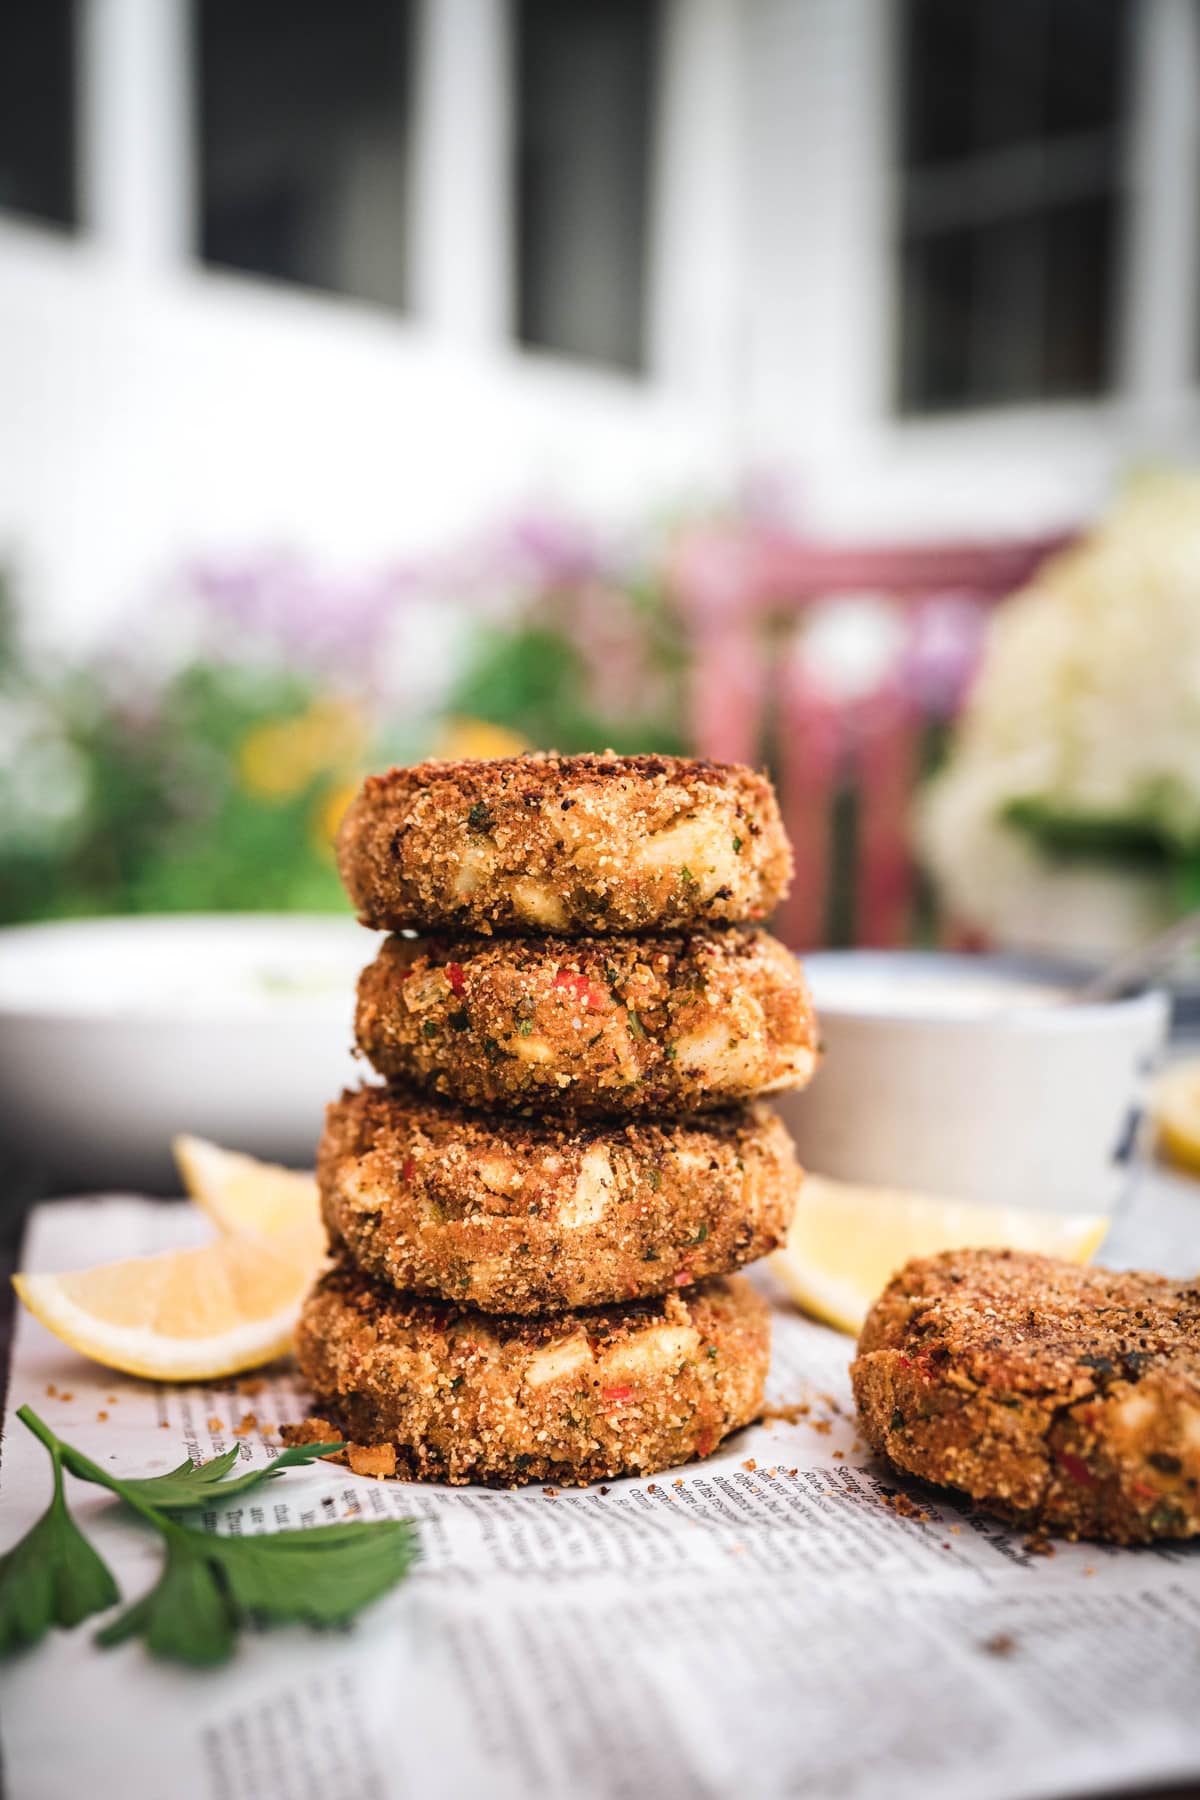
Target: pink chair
(745, 593)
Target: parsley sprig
(211, 1586)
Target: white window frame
(1157, 363)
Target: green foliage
(216, 787)
(52, 1577)
(211, 1586)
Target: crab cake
(590, 1026)
(1060, 1398)
(530, 1217)
(467, 1396)
(588, 844)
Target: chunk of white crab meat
(474, 862)
(499, 1173)
(531, 1049)
(721, 1055)
(568, 1358)
(649, 1353)
(537, 902)
(704, 849)
(593, 1186)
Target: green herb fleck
(456, 1384)
(650, 1256)
(700, 1235)
(479, 817)
(654, 1177)
(491, 1048)
(712, 1353)
(429, 1029)
(636, 1028)
(897, 1419)
(524, 1027)
(461, 1021)
(737, 846)
(686, 876)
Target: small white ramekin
(937, 1082)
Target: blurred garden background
(809, 382)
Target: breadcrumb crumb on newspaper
(567, 844)
(463, 1396)
(522, 1216)
(1062, 1399)
(590, 1026)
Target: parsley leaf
(192, 1484)
(186, 1617)
(52, 1577)
(211, 1585)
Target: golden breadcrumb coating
(590, 1026)
(519, 1216)
(1060, 1398)
(467, 1396)
(566, 844)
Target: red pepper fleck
(1076, 1468)
(616, 1396)
(706, 1443)
(408, 1169)
(682, 1277)
(1143, 1490)
(580, 986)
(904, 1361)
(456, 978)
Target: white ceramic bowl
(117, 1033)
(968, 1077)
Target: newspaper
(765, 1623)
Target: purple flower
(943, 653)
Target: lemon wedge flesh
(1175, 1106)
(242, 1195)
(186, 1315)
(846, 1242)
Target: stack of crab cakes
(537, 1221)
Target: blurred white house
(357, 278)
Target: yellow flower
(329, 813)
(284, 757)
(465, 740)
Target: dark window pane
(938, 40)
(585, 89)
(1089, 51)
(1079, 279)
(37, 111)
(937, 311)
(303, 111)
(1007, 263)
(1013, 113)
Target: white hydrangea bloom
(1088, 701)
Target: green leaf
(52, 1577)
(195, 1484)
(210, 1584)
(322, 1576)
(187, 1616)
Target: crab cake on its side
(462, 1396)
(1060, 1398)
(589, 844)
(590, 1026)
(519, 1216)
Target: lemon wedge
(186, 1315)
(1175, 1107)
(242, 1195)
(846, 1242)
